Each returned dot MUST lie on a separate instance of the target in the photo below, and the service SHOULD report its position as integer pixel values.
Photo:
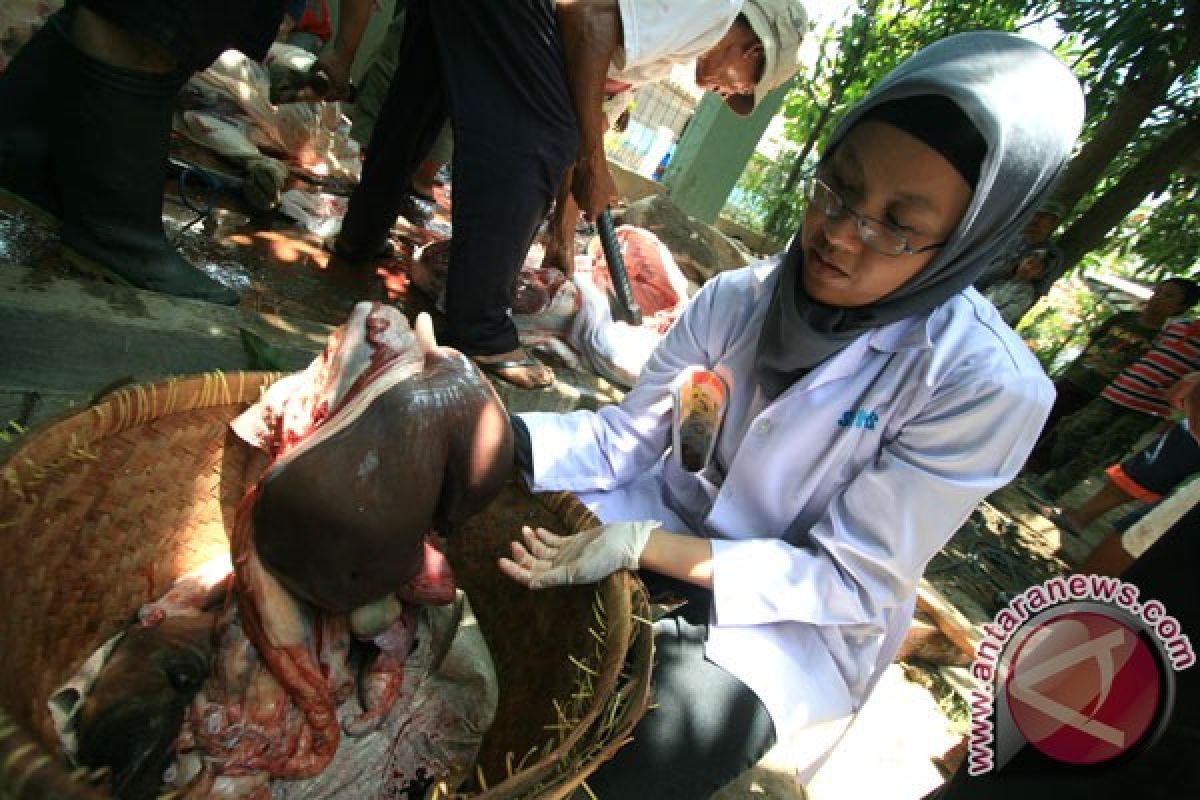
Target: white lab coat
(834, 496)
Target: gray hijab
(1027, 106)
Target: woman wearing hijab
(874, 399)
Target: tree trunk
(1144, 91)
(1149, 175)
(797, 171)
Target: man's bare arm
(560, 233)
(338, 56)
(329, 78)
(591, 33)
(1184, 396)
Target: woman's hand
(546, 559)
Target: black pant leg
(27, 100)
(196, 32)
(514, 135)
(706, 729)
(408, 122)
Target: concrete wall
(756, 242)
(631, 186)
(713, 151)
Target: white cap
(780, 26)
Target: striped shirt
(1143, 384)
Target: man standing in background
(524, 84)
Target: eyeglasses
(881, 237)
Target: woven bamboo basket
(100, 511)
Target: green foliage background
(1105, 41)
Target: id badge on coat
(700, 399)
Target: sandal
(503, 370)
(418, 208)
(385, 252)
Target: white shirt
(825, 505)
(658, 34)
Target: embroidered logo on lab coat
(859, 418)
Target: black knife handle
(616, 268)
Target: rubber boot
(111, 139)
(27, 103)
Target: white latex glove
(546, 559)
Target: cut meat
(657, 285)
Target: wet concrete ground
(278, 267)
